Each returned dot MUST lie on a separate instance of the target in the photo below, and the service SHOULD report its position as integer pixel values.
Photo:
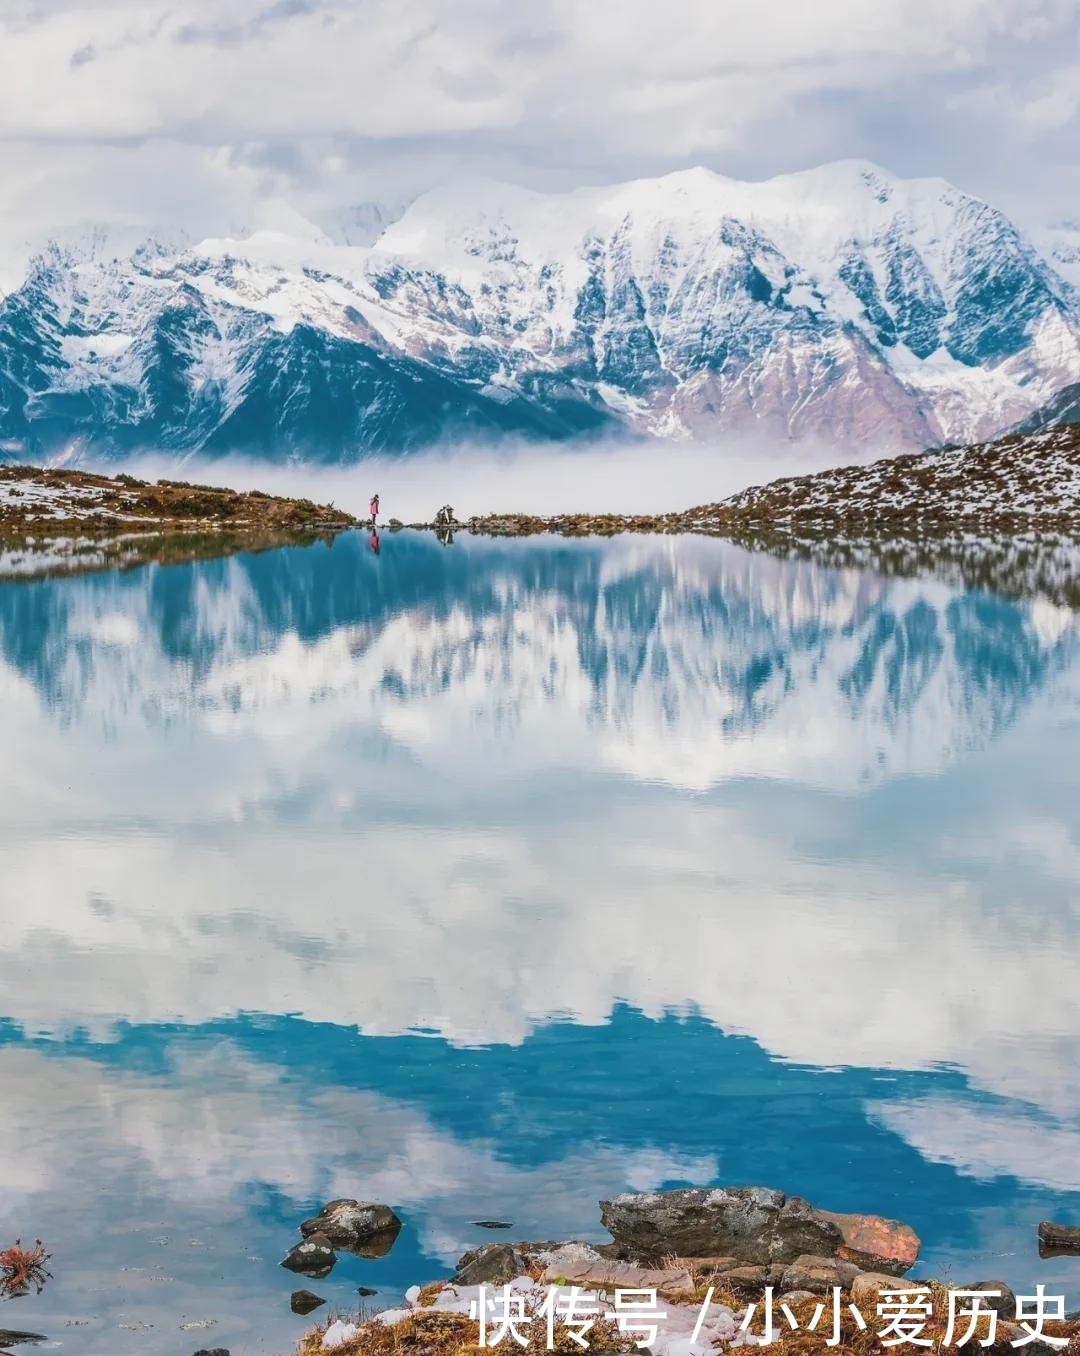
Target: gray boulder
(361, 1227)
(755, 1224)
(1004, 1305)
(493, 1264)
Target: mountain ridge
(841, 302)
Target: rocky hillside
(1020, 480)
(60, 521)
(842, 303)
(1015, 484)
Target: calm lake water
(490, 880)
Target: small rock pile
(363, 1228)
(739, 1240)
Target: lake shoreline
(727, 1267)
(62, 522)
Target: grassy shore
(426, 1332)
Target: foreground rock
(872, 1243)
(818, 1275)
(303, 1302)
(868, 1287)
(12, 1338)
(607, 1275)
(492, 1264)
(362, 1227)
(1000, 1297)
(755, 1225)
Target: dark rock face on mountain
(842, 303)
(1063, 409)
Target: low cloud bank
(652, 477)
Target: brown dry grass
(439, 1334)
(431, 1333)
(86, 504)
(868, 1342)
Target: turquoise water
(493, 879)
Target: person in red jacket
(374, 507)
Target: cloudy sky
(217, 117)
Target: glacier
(841, 304)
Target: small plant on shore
(23, 1269)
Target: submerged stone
(314, 1257)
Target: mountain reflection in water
(450, 877)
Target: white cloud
(1056, 105)
(219, 116)
(179, 1164)
(986, 1141)
(308, 750)
(217, 1121)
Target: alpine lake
(491, 879)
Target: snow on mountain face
(840, 303)
(1061, 246)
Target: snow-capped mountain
(840, 303)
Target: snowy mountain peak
(362, 223)
(840, 303)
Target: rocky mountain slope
(1019, 480)
(1014, 484)
(841, 303)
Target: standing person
(374, 507)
